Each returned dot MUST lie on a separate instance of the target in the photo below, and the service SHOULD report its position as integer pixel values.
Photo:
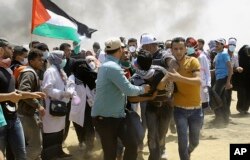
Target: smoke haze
(129, 18)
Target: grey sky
(208, 19)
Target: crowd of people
(167, 85)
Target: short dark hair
(123, 40)
(34, 53)
(42, 46)
(201, 41)
(63, 46)
(144, 60)
(96, 45)
(18, 51)
(178, 40)
(33, 43)
(3, 42)
(132, 40)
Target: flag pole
(32, 10)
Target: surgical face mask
(231, 48)
(190, 50)
(92, 65)
(63, 63)
(24, 61)
(46, 54)
(132, 49)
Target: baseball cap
(113, 44)
(212, 45)
(4, 42)
(232, 41)
(148, 39)
(221, 40)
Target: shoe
(64, 145)
(119, 157)
(65, 155)
(172, 128)
(82, 146)
(164, 155)
(140, 148)
(88, 154)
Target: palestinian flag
(49, 20)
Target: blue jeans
(187, 119)
(15, 138)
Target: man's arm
(195, 80)
(230, 73)
(135, 99)
(27, 79)
(13, 97)
(162, 84)
(118, 78)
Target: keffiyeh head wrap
(55, 58)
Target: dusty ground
(214, 143)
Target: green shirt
(112, 87)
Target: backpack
(20, 70)
(17, 69)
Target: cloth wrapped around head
(56, 57)
(84, 73)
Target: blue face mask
(63, 63)
(190, 50)
(231, 48)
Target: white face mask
(63, 63)
(46, 55)
(231, 48)
(92, 65)
(24, 61)
(190, 50)
(132, 49)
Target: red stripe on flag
(39, 14)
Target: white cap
(232, 41)
(148, 39)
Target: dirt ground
(214, 142)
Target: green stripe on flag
(54, 31)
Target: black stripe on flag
(83, 29)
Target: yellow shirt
(187, 95)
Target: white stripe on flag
(60, 20)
